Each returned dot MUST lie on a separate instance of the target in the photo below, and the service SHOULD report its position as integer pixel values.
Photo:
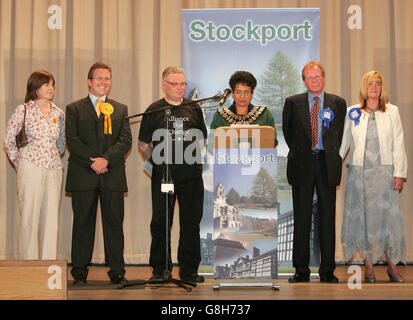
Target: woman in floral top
(39, 166)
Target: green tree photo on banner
(280, 80)
(264, 190)
(233, 197)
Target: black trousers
(302, 205)
(84, 205)
(190, 195)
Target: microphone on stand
(227, 92)
(168, 112)
(221, 97)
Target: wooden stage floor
(99, 288)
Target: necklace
(248, 118)
(373, 111)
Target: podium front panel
(245, 215)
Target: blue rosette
(327, 116)
(355, 115)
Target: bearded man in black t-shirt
(171, 139)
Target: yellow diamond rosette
(107, 109)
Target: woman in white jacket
(372, 219)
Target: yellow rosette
(107, 109)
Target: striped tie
(314, 123)
(98, 103)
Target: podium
(245, 207)
(244, 136)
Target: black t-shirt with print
(186, 127)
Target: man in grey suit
(313, 127)
(98, 136)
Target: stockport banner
(274, 45)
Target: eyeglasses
(317, 77)
(240, 93)
(101, 79)
(176, 84)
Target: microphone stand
(168, 191)
(216, 97)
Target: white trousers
(39, 191)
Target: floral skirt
(372, 218)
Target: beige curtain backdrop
(139, 38)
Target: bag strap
(24, 119)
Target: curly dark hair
(244, 77)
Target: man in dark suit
(97, 169)
(313, 127)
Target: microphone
(227, 92)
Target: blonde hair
(384, 95)
(313, 64)
(171, 70)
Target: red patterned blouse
(46, 136)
